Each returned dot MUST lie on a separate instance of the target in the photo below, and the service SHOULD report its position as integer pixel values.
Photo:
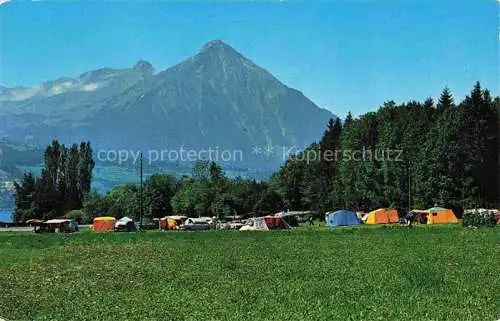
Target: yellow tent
(439, 215)
(172, 222)
(382, 216)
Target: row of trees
(65, 180)
(64, 185)
(443, 153)
(207, 192)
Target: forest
(443, 153)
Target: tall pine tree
(446, 99)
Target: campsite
(386, 272)
(280, 220)
(380, 265)
(249, 160)
(350, 266)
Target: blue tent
(341, 218)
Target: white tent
(126, 224)
(63, 225)
(255, 224)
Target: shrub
(479, 218)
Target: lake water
(6, 216)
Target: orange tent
(382, 216)
(104, 223)
(439, 215)
(172, 222)
(163, 223)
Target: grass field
(395, 273)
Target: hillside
(218, 98)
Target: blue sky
(344, 55)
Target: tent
(163, 224)
(33, 222)
(275, 222)
(266, 223)
(439, 215)
(172, 222)
(255, 224)
(126, 224)
(60, 225)
(341, 218)
(293, 218)
(382, 216)
(420, 216)
(103, 223)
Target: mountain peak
(217, 97)
(215, 45)
(143, 65)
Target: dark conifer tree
(446, 99)
(348, 119)
(25, 193)
(73, 182)
(85, 166)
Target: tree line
(443, 154)
(64, 185)
(64, 181)
(206, 192)
(415, 154)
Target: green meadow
(387, 273)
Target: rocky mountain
(217, 98)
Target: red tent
(275, 222)
(33, 221)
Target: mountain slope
(217, 98)
(65, 96)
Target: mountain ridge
(217, 97)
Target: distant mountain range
(217, 98)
